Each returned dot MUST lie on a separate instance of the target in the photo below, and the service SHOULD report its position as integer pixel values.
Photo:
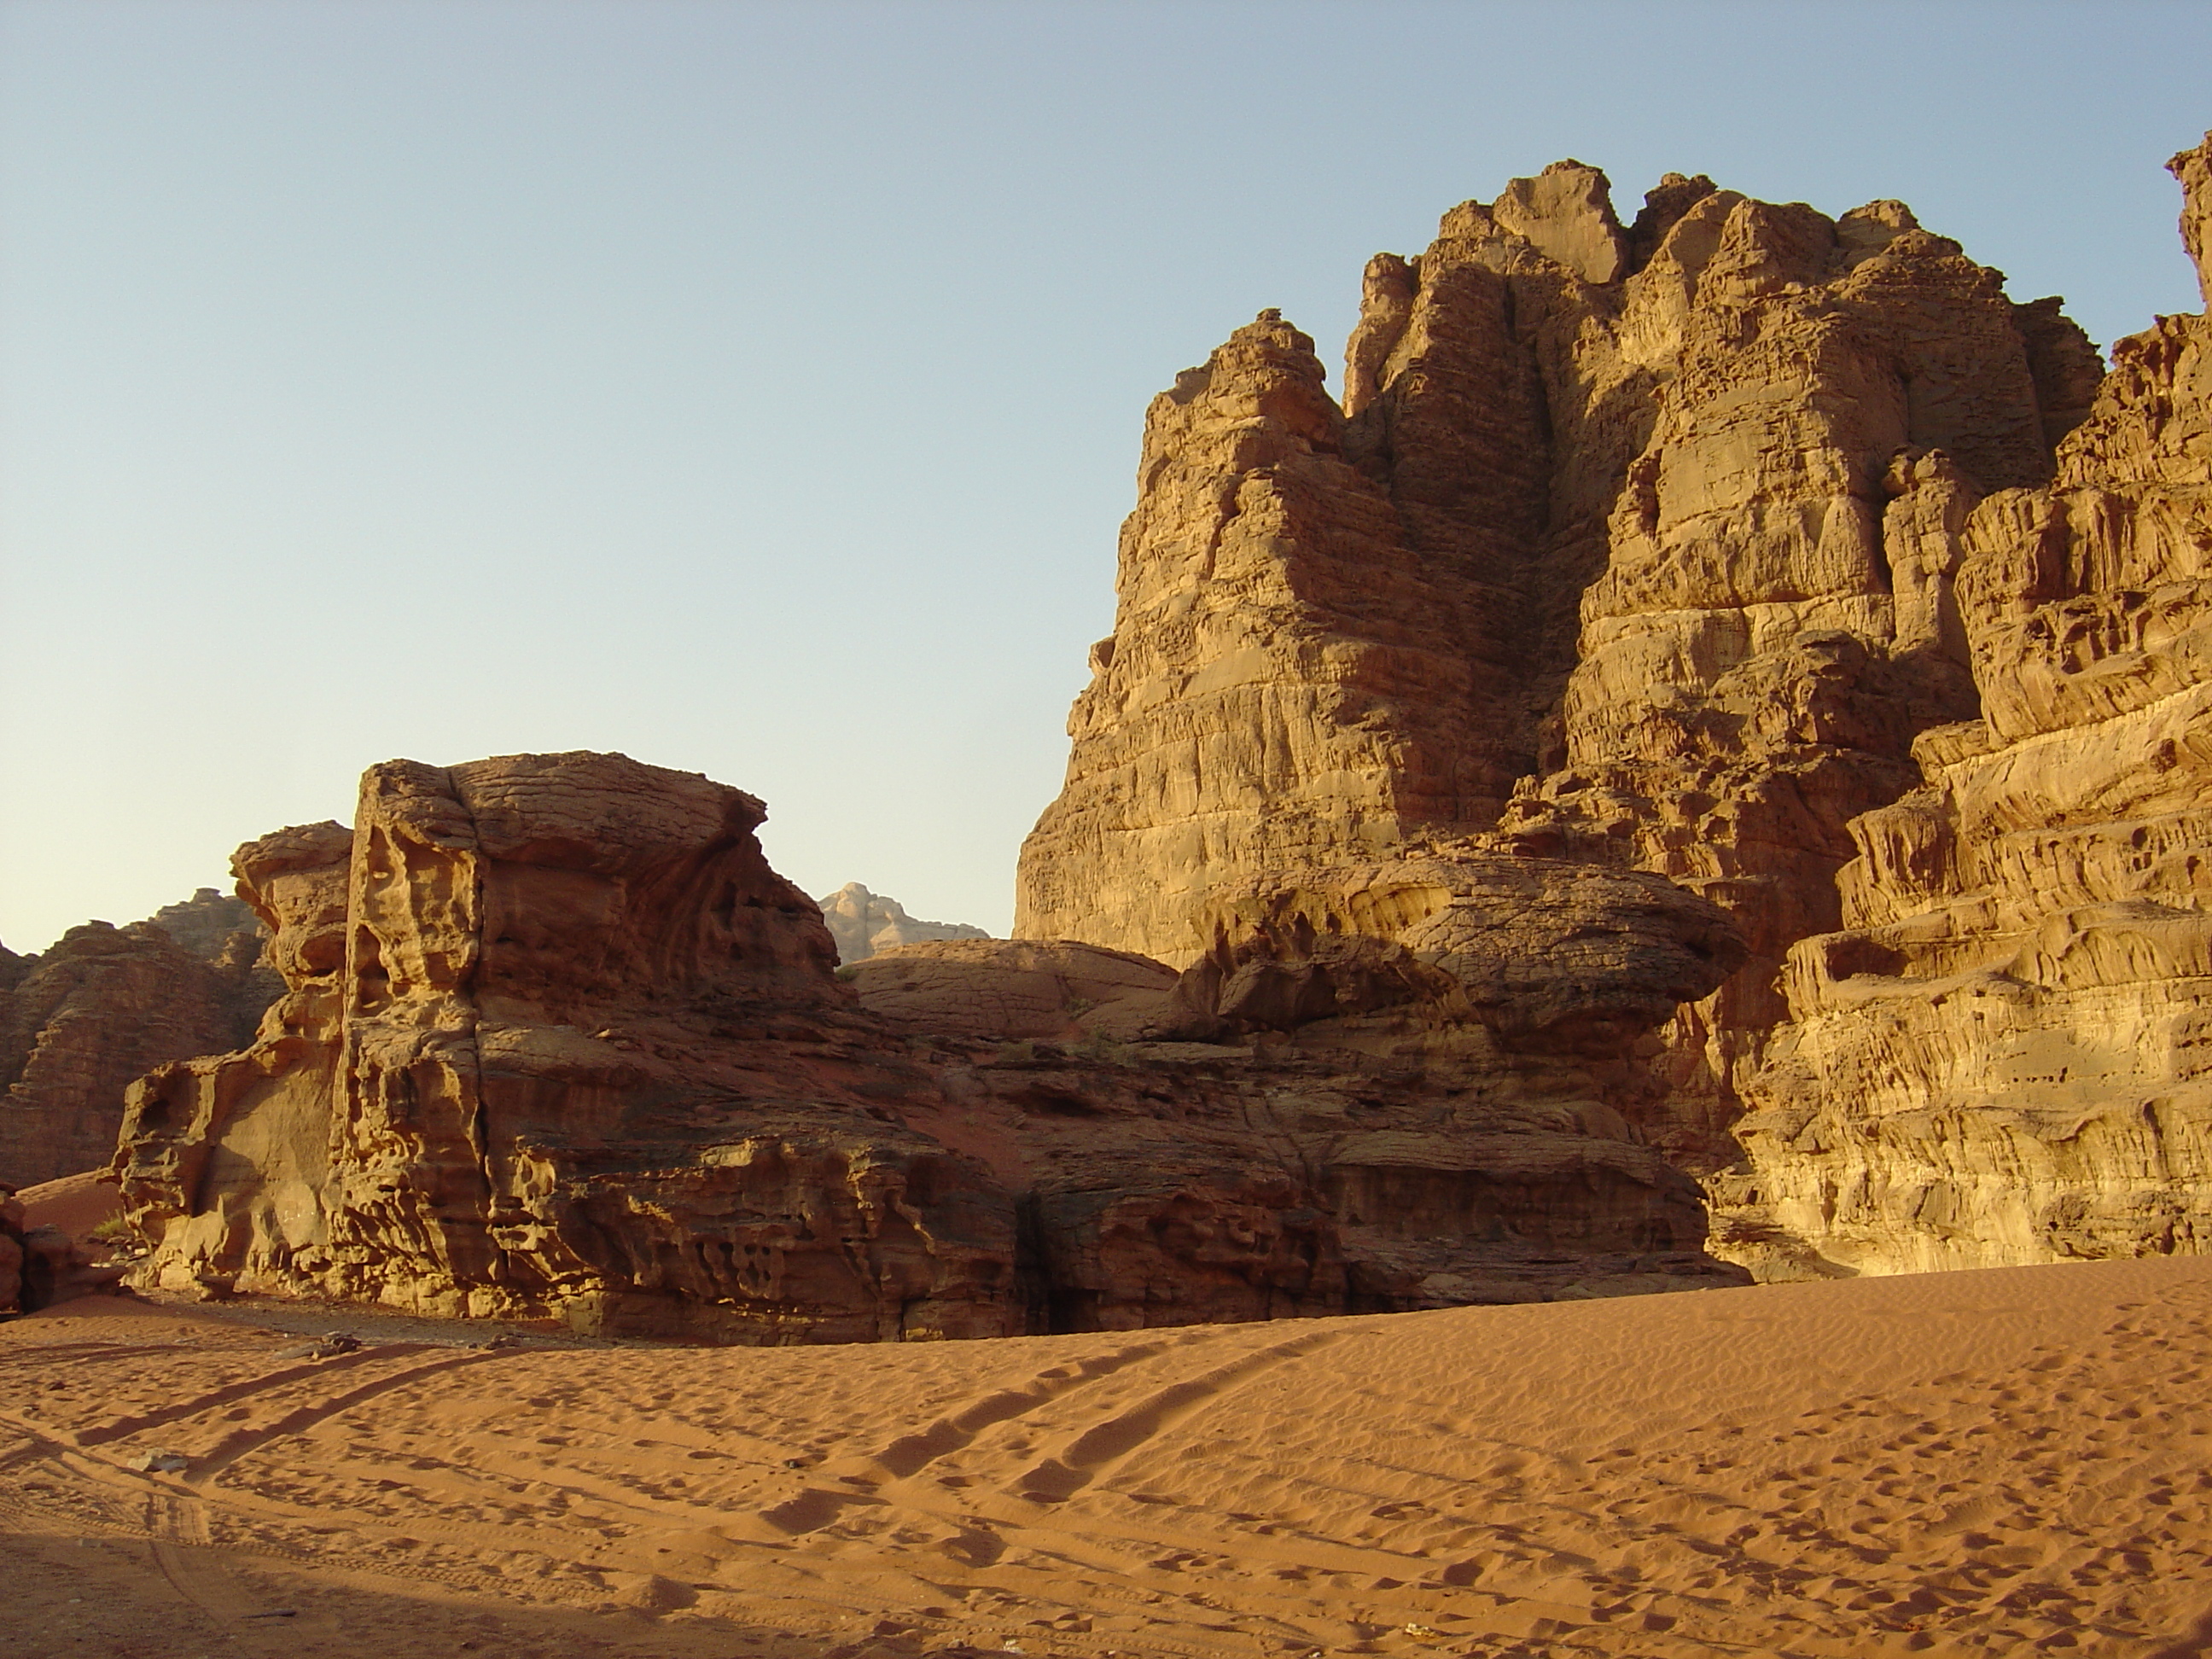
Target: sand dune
(1998, 1462)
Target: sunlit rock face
(105, 1004)
(1784, 555)
(1628, 543)
(2001, 1055)
(556, 1041)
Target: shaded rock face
(862, 923)
(41, 1264)
(102, 1006)
(1548, 957)
(1384, 1087)
(556, 1040)
(1998, 1056)
(1637, 545)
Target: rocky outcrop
(1385, 1086)
(1611, 537)
(210, 925)
(1636, 546)
(1000, 990)
(1285, 679)
(557, 1041)
(1998, 1056)
(101, 1006)
(41, 1264)
(549, 1044)
(862, 923)
(2193, 167)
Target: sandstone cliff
(1631, 544)
(1997, 1057)
(556, 1040)
(862, 923)
(102, 1006)
(1613, 507)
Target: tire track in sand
(1084, 1457)
(245, 1442)
(230, 1394)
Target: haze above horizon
(755, 389)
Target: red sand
(2005, 1462)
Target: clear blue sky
(756, 388)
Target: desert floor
(2002, 1463)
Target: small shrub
(1102, 1050)
(113, 1231)
(848, 974)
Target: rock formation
(1340, 631)
(547, 1044)
(1001, 991)
(862, 923)
(41, 1264)
(556, 1040)
(1683, 546)
(102, 1006)
(209, 924)
(1998, 1055)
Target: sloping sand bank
(2000, 1462)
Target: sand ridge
(1994, 1462)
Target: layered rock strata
(1999, 1056)
(548, 1044)
(557, 1041)
(862, 923)
(102, 1006)
(1409, 1075)
(1632, 545)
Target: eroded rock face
(1998, 1057)
(556, 1040)
(101, 1006)
(545, 1047)
(862, 923)
(1285, 679)
(1629, 545)
(208, 923)
(1001, 990)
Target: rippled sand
(2002, 1462)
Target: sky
(756, 389)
